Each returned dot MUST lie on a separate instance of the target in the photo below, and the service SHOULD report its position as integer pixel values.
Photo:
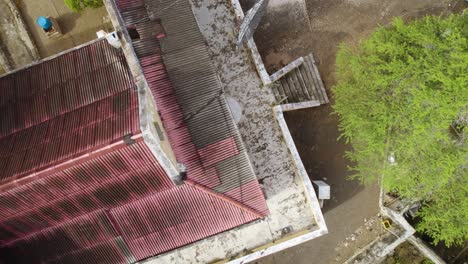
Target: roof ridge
(225, 198)
(67, 51)
(67, 112)
(67, 163)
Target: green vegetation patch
(80, 5)
(402, 99)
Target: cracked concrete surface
(289, 210)
(267, 150)
(16, 46)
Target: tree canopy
(402, 99)
(80, 5)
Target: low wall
(294, 240)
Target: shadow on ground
(280, 40)
(315, 133)
(67, 22)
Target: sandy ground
(286, 34)
(77, 28)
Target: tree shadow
(67, 22)
(315, 134)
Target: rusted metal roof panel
(174, 218)
(188, 93)
(72, 218)
(63, 107)
(50, 88)
(79, 233)
(200, 129)
(114, 179)
(74, 191)
(218, 151)
(251, 195)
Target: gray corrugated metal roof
(198, 89)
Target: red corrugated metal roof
(175, 218)
(199, 126)
(104, 182)
(218, 151)
(73, 191)
(108, 252)
(188, 93)
(80, 233)
(64, 107)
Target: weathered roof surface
(176, 217)
(149, 226)
(92, 233)
(112, 179)
(190, 99)
(103, 197)
(302, 84)
(95, 167)
(64, 107)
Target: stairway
(301, 85)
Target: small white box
(322, 189)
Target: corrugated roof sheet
(189, 95)
(51, 243)
(108, 252)
(107, 181)
(191, 104)
(174, 218)
(64, 107)
(73, 191)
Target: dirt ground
(351, 214)
(284, 35)
(315, 134)
(406, 254)
(77, 28)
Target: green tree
(80, 5)
(402, 99)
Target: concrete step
(301, 84)
(320, 88)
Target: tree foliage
(402, 99)
(80, 5)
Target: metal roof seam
(117, 228)
(88, 155)
(149, 214)
(225, 198)
(121, 77)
